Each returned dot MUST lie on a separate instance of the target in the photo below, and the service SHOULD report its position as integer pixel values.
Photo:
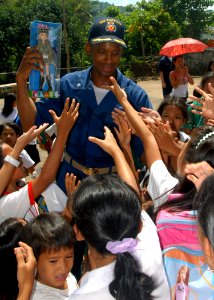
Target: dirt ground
(154, 90)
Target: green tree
(193, 15)
(149, 26)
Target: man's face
(105, 58)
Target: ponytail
(129, 282)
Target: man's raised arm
(32, 59)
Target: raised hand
(117, 91)
(109, 144)
(32, 60)
(149, 115)
(207, 102)
(198, 172)
(71, 183)
(26, 266)
(68, 117)
(123, 132)
(28, 136)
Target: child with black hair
(9, 133)
(21, 202)
(205, 204)
(51, 238)
(124, 251)
(9, 111)
(11, 232)
(179, 207)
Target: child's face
(174, 115)
(9, 136)
(179, 63)
(53, 267)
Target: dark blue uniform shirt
(92, 118)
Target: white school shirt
(21, 204)
(161, 183)
(95, 284)
(26, 159)
(10, 118)
(44, 292)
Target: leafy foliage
(149, 24)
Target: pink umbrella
(181, 46)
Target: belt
(87, 170)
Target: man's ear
(88, 48)
(78, 233)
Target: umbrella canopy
(181, 46)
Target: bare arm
(32, 59)
(26, 266)
(110, 145)
(50, 167)
(7, 169)
(175, 80)
(150, 145)
(162, 79)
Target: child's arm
(8, 167)
(175, 80)
(150, 145)
(110, 145)
(165, 139)
(64, 124)
(32, 59)
(186, 72)
(124, 136)
(26, 266)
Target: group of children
(128, 256)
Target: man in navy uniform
(105, 46)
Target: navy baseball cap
(107, 30)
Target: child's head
(204, 202)
(178, 61)
(52, 240)
(106, 211)
(9, 133)
(173, 110)
(210, 66)
(199, 148)
(9, 103)
(10, 234)
(207, 78)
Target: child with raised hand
(21, 203)
(179, 207)
(51, 238)
(124, 250)
(9, 164)
(205, 217)
(9, 132)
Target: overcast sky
(119, 2)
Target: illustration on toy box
(46, 36)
